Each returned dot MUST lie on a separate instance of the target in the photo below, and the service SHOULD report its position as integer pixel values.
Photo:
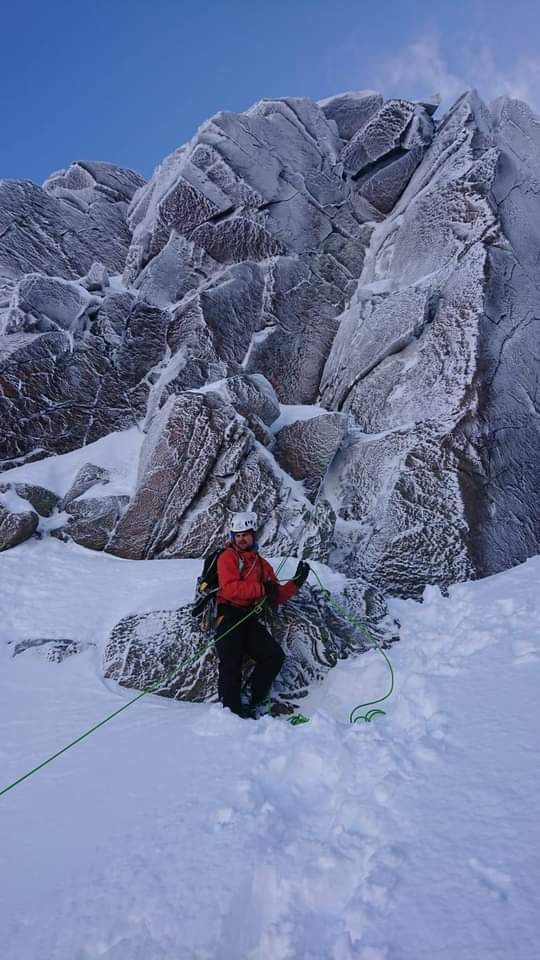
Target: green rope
(295, 720)
(150, 689)
(370, 714)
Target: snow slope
(117, 452)
(180, 832)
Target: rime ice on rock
(254, 226)
(78, 217)
(199, 464)
(352, 253)
(425, 354)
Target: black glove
(302, 573)
(271, 589)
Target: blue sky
(130, 81)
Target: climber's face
(244, 540)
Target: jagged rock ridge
(354, 253)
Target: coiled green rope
(370, 714)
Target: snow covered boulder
(91, 520)
(86, 477)
(16, 527)
(91, 513)
(199, 463)
(43, 501)
(166, 651)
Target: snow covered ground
(180, 832)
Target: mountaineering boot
(247, 712)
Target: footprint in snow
(524, 651)
(496, 882)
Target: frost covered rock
(200, 463)
(410, 365)
(352, 254)
(351, 111)
(250, 395)
(165, 650)
(87, 477)
(60, 392)
(91, 521)
(97, 279)
(92, 515)
(16, 527)
(42, 500)
(89, 181)
(501, 438)
(41, 304)
(253, 225)
(253, 222)
(318, 536)
(384, 153)
(254, 399)
(77, 218)
(306, 448)
(54, 650)
(13, 495)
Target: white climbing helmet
(243, 521)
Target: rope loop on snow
(354, 716)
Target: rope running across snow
(353, 718)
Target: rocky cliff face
(327, 312)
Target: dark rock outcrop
(42, 500)
(15, 528)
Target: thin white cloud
(521, 81)
(422, 68)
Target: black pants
(252, 640)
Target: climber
(244, 580)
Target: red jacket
(241, 575)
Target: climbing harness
(295, 720)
